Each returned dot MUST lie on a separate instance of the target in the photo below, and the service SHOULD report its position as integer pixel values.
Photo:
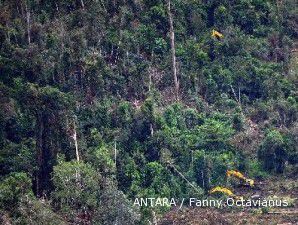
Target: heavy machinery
(233, 173)
(216, 34)
(224, 190)
(245, 181)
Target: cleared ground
(275, 187)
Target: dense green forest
(103, 101)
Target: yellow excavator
(228, 192)
(245, 181)
(224, 190)
(217, 34)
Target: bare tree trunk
(150, 80)
(174, 64)
(279, 3)
(104, 7)
(115, 153)
(76, 142)
(82, 4)
(151, 130)
(203, 179)
(192, 159)
(57, 7)
(73, 134)
(239, 95)
(28, 23)
(39, 146)
(154, 218)
(183, 177)
(8, 35)
(238, 99)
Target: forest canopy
(105, 101)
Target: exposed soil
(204, 216)
(278, 187)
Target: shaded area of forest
(104, 101)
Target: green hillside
(102, 102)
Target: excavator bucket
(251, 182)
(235, 174)
(217, 34)
(241, 177)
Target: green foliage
(22, 207)
(238, 122)
(255, 169)
(210, 169)
(98, 74)
(99, 154)
(35, 212)
(156, 180)
(18, 157)
(13, 188)
(124, 114)
(116, 208)
(213, 135)
(77, 186)
(273, 152)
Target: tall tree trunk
(237, 98)
(28, 23)
(73, 135)
(174, 64)
(45, 153)
(115, 153)
(39, 146)
(183, 177)
(76, 143)
(82, 4)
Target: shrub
(76, 185)
(272, 152)
(13, 188)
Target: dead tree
(173, 52)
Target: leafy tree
(13, 188)
(91, 80)
(213, 135)
(273, 152)
(77, 188)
